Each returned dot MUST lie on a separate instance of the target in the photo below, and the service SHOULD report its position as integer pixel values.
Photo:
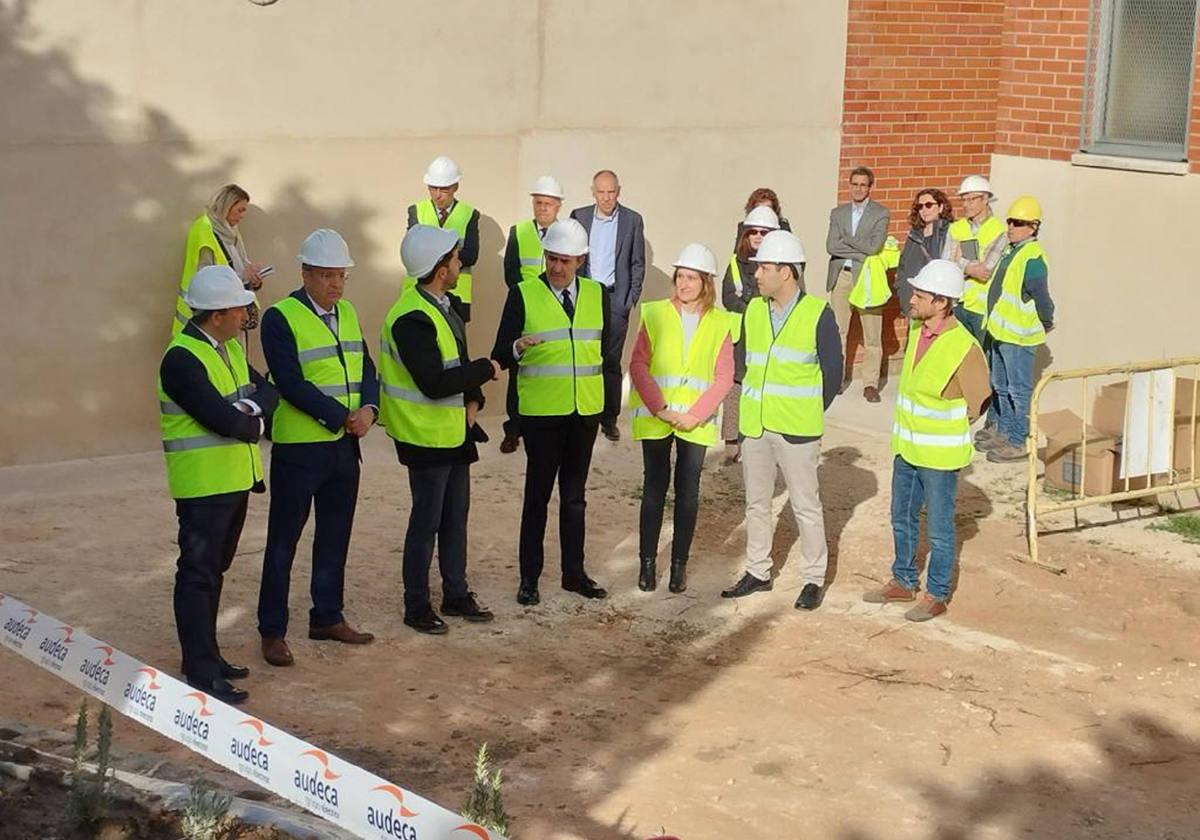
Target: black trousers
(559, 451)
(441, 500)
(618, 325)
(512, 426)
(208, 538)
(330, 485)
(656, 465)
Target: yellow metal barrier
(1178, 479)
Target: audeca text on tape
(313, 778)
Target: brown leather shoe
(871, 394)
(340, 632)
(277, 653)
(891, 591)
(509, 444)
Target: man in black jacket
(431, 395)
(211, 402)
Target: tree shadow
(855, 485)
(1145, 787)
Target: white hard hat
(780, 246)
(423, 246)
(975, 183)
(217, 287)
(566, 237)
(547, 185)
(698, 258)
(442, 172)
(940, 277)
(325, 248)
(761, 216)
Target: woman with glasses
(929, 219)
(738, 288)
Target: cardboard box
(1108, 417)
(1067, 459)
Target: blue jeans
(935, 490)
(1012, 386)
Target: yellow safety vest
(871, 289)
(562, 375)
(460, 216)
(200, 462)
(1014, 320)
(319, 362)
(930, 431)
(783, 388)
(529, 250)
(975, 294)
(200, 235)
(408, 415)
(735, 274)
(682, 378)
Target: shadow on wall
(101, 203)
(1145, 787)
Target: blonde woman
(682, 368)
(214, 239)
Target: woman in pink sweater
(682, 368)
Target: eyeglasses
(1019, 223)
(757, 231)
(927, 205)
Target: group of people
(774, 357)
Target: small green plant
(206, 814)
(1186, 525)
(88, 797)
(485, 805)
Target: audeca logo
(191, 723)
(319, 785)
(54, 651)
(17, 630)
(95, 668)
(141, 695)
(250, 750)
(387, 820)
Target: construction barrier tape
(313, 778)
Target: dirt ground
(1040, 705)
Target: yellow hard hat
(1026, 208)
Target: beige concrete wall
(1118, 247)
(122, 117)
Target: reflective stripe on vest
(783, 389)
(562, 375)
(408, 415)
(199, 461)
(871, 289)
(975, 293)
(529, 250)
(321, 366)
(1013, 320)
(200, 235)
(931, 431)
(681, 378)
(459, 218)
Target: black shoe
(223, 690)
(509, 444)
(810, 597)
(527, 594)
(648, 575)
(586, 587)
(467, 608)
(611, 431)
(678, 576)
(427, 622)
(233, 672)
(748, 585)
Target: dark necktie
(441, 217)
(224, 354)
(541, 233)
(568, 305)
(328, 319)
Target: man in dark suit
(553, 331)
(213, 407)
(616, 259)
(857, 230)
(314, 347)
(431, 394)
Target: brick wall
(920, 95)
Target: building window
(1138, 79)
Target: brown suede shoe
(340, 632)
(891, 591)
(928, 607)
(277, 653)
(871, 394)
